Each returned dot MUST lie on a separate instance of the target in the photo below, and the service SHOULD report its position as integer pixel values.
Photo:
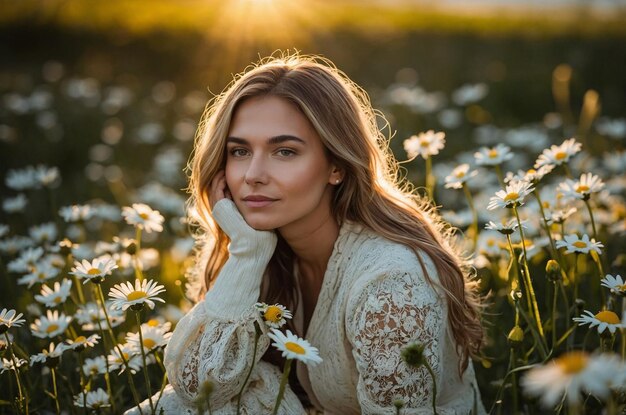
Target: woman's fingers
(218, 186)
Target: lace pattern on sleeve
(391, 312)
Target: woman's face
(276, 168)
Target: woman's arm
(385, 314)
(215, 340)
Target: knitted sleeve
(386, 313)
(215, 340)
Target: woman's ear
(336, 176)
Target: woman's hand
(219, 189)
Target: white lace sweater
(374, 301)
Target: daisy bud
(413, 355)
(131, 248)
(516, 336)
(553, 269)
(580, 305)
(65, 247)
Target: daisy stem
(500, 176)
(527, 278)
(555, 252)
(245, 382)
(430, 180)
(82, 380)
(432, 375)
(554, 303)
(593, 222)
(470, 202)
(156, 355)
(23, 406)
(283, 383)
(138, 273)
(54, 386)
(145, 366)
(117, 346)
(107, 375)
(568, 173)
(513, 381)
(519, 272)
(575, 276)
(623, 330)
(78, 286)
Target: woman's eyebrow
(279, 139)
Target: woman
(292, 180)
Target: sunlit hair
(371, 192)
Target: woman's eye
(237, 152)
(285, 152)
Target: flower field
(95, 260)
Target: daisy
(76, 213)
(157, 323)
(81, 342)
(52, 325)
(425, 144)
(294, 347)
(143, 217)
(559, 215)
(469, 93)
(152, 339)
(8, 319)
(95, 270)
(15, 244)
(557, 155)
(132, 357)
(460, 175)
(14, 204)
(21, 179)
(95, 366)
(94, 400)
(50, 355)
(614, 283)
(9, 364)
(53, 298)
(42, 271)
(90, 314)
(584, 245)
(493, 156)
(504, 227)
(489, 243)
(512, 196)
(615, 128)
(604, 319)
(47, 176)
(273, 315)
(534, 176)
(124, 295)
(570, 375)
(583, 188)
(46, 232)
(4, 229)
(26, 260)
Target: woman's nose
(256, 173)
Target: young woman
(299, 199)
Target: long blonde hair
(371, 192)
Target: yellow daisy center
(560, 155)
(511, 196)
(460, 174)
(546, 205)
(136, 295)
(582, 188)
(531, 171)
(273, 314)
(41, 276)
(621, 287)
(573, 362)
(424, 142)
(80, 339)
(294, 347)
(149, 343)
(580, 244)
(57, 300)
(493, 153)
(153, 322)
(51, 328)
(143, 216)
(608, 317)
(93, 271)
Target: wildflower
(143, 217)
(604, 320)
(569, 375)
(615, 128)
(144, 292)
(53, 324)
(157, 323)
(512, 196)
(14, 244)
(584, 245)
(95, 366)
(489, 244)
(493, 156)
(21, 179)
(50, 356)
(40, 272)
(557, 155)
(14, 204)
(559, 215)
(460, 175)
(26, 260)
(470, 93)
(76, 213)
(504, 227)
(52, 298)
(91, 316)
(8, 319)
(94, 399)
(614, 283)
(583, 188)
(425, 144)
(293, 347)
(9, 364)
(80, 343)
(531, 176)
(153, 338)
(95, 270)
(47, 176)
(46, 232)
(553, 270)
(4, 229)
(128, 353)
(273, 315)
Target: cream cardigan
(374, 300)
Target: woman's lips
(259, 203)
